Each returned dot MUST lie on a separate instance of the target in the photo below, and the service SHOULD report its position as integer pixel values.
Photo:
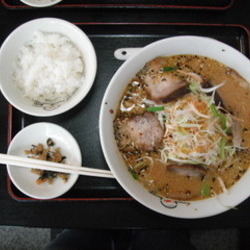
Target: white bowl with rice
(47, 66)
(40, 3)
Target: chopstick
(53, 166)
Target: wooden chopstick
(53, 166)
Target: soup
(183, 127)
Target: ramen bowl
(202, 46)
(28, 54)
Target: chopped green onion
(166, 69)
(223, 120)
(140, 164)
(214, 110)
(153, 109)
(193, 86)
(134, 174)
(182, 131)
(218, 114)
(222, 147)
(205, 189)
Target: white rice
(49, 68)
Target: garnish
(221, 116)
(194, 86)
(167, 69)
(154, 109)
(222, 147)
(49, 153)
(194, 133)
(134, 174)
(205, 189)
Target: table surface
(118, 213)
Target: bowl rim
(103, 127)
(77, 97)
(48, 128)
(41, 3)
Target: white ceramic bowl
(40, 3)
(33, 134)
(166, 47)
(21, 35)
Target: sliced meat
(165, 86)
(188, 170)
(139, 132)
(243, 83)
(155, 65)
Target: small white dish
(33, 134)
(40, 3)
(9, 53)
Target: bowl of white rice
(40, 3)
(47, 67)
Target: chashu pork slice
(142, 132)
(190, 170)
(163, 87)
(155, 65)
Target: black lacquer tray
(179, 4)
(82, 121)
